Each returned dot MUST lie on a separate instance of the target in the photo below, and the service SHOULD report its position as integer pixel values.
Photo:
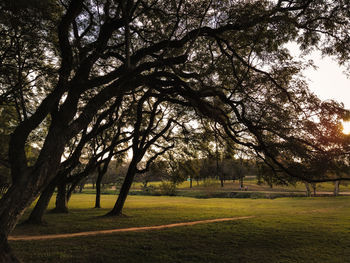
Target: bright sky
(328, 80)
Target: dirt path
(131, 229)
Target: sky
(328, 80)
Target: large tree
(226, 60)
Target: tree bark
(72, 187)
(314, 188)
(70, 191)
(336, 188)
(119, 205)
(241, 185)
(308, 191)
(14, 202)
(6, 254)
(81, 187)
(98, 190)
(102, 170)
(61, 199)
(28, 182)
(36, 216)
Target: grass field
(211, 188)
(283, 230)
(251, 182)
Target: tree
(182, 161)
(155, 173)
(227, 62)
(73, 170)
(151, 135)
(104, 163)
(7, 114)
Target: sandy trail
(131, 229)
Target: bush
(209, 182)
(148, 189)
(142, 193)
(167, 188)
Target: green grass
(283, 230)
(252, 186)
(211, 188)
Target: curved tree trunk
(70, 191)
(6, 254)
(119, 205)
(28, 182)
(13, 203)
(72, 188)
(36, 216)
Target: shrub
(167, 188)
(148, 189)
(209, 182)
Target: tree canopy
(69, 68)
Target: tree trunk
(28, 182)
(241, 184)
(70, 191)
(314, 188)
(98, 190)
(81, 187)
(190, 182)
(308, 191)
(119, 205)
(12, 205)
(102, 170)
(36, 216)
(336, 188)
(72, 187)
(6, 254)
(61, 199)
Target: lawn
(283, 230)
(210, 188)
(252, 184)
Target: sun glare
(346, 127)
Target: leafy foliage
(139, 73)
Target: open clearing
(282, 230)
